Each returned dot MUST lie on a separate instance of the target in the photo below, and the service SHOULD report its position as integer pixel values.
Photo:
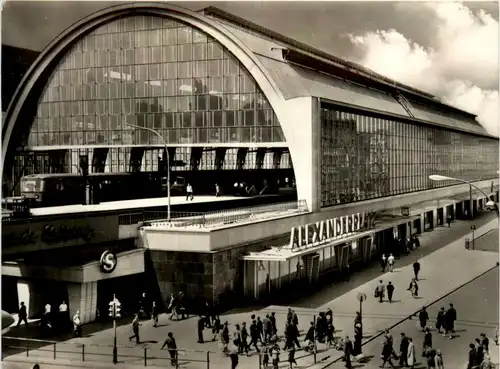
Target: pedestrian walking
(135, 329)
(348, 350)
(471, 363)
(431, 359)
(244, 338)
(189, 192)
(274, 327)
(291, 356)
(217, 190)
(309, 338)
(438, 359)
(254, 335)
(383, 263)
(403, 350)
(391, 261)
(416, 242)
(485, 342)
(380, 291)
(387, 351)
(77, 325)
(487, 363)
(423, 317)
(217, 327)
(479, 351)
(440, 320)
(260, 329)
(451, 317)
(237, 338)
(200, 328)
(154, 314)
(275, 354)
(267, 328)
(413, 288)
(63, 317)
(448, 220)
(416, 269)
(265, 357)
(427, 345)
(390, 291)
(233, 355)
(22, 315)
(172, 348)
(411, 353)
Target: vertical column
(445, 214)
(434, 218)
(422, 223)
(36, 300)
(408, 230)
(454, 214)
(83, 297)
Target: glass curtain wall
(366, 157)
(153, 72)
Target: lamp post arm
(168, 161)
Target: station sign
(108, 262)
(315, 234)
(43, 234)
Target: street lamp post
(436, 177)
(168, 161)
(473, 228)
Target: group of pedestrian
(446, 321)
(407, 356)
(382, 288)
(479, 354)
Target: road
(437, 247)
(477, 310)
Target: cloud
(460, 65)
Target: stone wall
(189, 272)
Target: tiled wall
(189, 272)
(83, 297)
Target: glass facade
(364, 157)
(153, 72)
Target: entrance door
(366, 247)
(428, 221)
(311, 263)
(342, 255)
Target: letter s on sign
(108, 262)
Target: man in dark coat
(403, 350)
(172, 348)
(272, 319)
(423, 317)
(310, 339)
(416, 269)
(254, 335)
(390, 291)
(451, 317)
(440, 320)
(348, 350)
(23, 315)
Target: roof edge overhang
(323, 64)
(35, 79)
(301, 48)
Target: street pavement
(477, 312)
(461, 266)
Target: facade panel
(153, 72)
(365, 157)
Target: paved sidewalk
(442, 272)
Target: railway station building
(225, 93)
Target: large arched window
(154, 72)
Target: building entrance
(440, 217)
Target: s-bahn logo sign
(314, 234)
(108, 262)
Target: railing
(134, 355)
(210, 219)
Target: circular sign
(361, 297)
(108, 262)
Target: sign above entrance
(108, 262)
(314, 234)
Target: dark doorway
(128, 290)
(440, 217)
(449, 211)
(428, 221)
(417, 226)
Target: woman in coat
(411, 353)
